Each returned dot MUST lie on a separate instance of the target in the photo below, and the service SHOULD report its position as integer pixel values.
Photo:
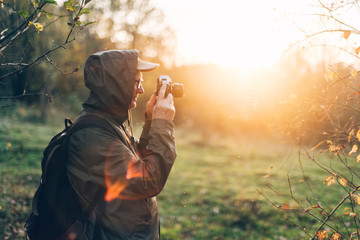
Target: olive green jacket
(131, 173)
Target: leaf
(347, 34)
(76, 69)
(84, 11)
(353, 150)
(352, 215)
(357, 199)
(354, 73)
(357, 50)
(350, 134)
(321, 235)
(78, 23)
(30, 23)
(69, 5)
(286, 206)
(51, 1)
(358, 134)
(38, 27)
(343, 182)
(89, 23)
(330, 180)
(336, 236)
(24, 13)
(49, 15)
(358, 158)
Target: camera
(176, 89)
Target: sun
(246, 35)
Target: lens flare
(114, 189)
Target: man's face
(138, 88)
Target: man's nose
(141, 90)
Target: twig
(334, 210)
(35, 61)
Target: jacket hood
(110, 76)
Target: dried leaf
(330, 180)
(336, 236)
(321, 235)
(350, 134)
(352, 215)
(357, 199)
(347, 34)
(353, 150)
(343, 182)
(358, 134)
(357, 50)
(286, 206)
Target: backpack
(56, 210)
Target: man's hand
(164, 107)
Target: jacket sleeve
(98, 158)
(144, 137)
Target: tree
(136, 24)
(25, 31)
(332, 114)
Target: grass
(212, 191)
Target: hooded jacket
(132, 173)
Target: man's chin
(132, 105)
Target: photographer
(131, 173)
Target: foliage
(327, 118)
(26, 30)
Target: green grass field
(212, 191)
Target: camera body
(176, 89)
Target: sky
(233, 33)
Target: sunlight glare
(243, 34)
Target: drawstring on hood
(110, 76)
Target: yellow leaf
(347, 34)
(358, 134)
(30, 23)
(38, 27)
(336, 236)
(354, 73)
(357, 50)
(321, 235)
(329, 180)
(343, 182)
(9, 144)
(350, 134)
(353, 150)
(357, 199)
(358, 158)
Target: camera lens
(177, 90)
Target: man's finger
(169, 98)
(162, 91)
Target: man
(132, 172)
